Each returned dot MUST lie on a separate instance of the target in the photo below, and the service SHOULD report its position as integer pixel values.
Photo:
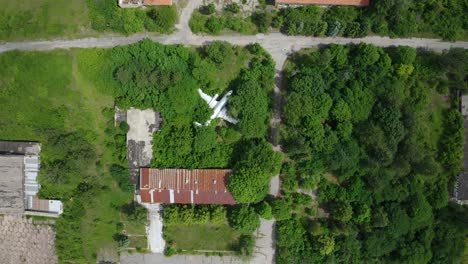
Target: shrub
(246, 245)
(264, 210)
(233, 8)
(214, 24)
(208, 9)
(281, 209)
(244, 219)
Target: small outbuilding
(19, 169)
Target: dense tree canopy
(383, 17)
(387, 143)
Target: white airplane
(219, 107)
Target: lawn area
(42, 19)
(202, 237)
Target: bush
(208, 9)
(246, 245)
(244, 219)
(214, 25)
(233, 8)
(281, 209)
(264, 210)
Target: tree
(264, 210)
(248, 184)
(281, 209)
(218, 51)
(244, 219)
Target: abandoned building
(181, 186)
(19, 169)
(460, 190)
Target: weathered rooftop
(157, 2)
(11, 184)
(19, 148)
(325, 2)
(203, 186)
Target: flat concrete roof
(19, 147)
(11, 184)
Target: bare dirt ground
(22, 242)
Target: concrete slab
(156, 241)
(11, 184)
(142, 124)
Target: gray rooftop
(19, 148)
(11, 184)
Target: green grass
(65, 91)
(202, 237)
(42, 19)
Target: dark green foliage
(394, 18)
(107, 15)
(244, 219)
(208, 9)
(388, 144)
(289, 180)
(251, 102)
(281, 209)
(218, 51)
(252, 173)
(192, 215)
(451, 143)
(233, 8)
(264, 210)
(262, 20)
(135, 212)
(246, 245)
(121, 176)
(304, 20)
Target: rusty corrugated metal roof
(157, 2)
(201, 186)
(325, 2)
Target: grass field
(45, 96)
(42, 19)
(202, 237)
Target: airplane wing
(225, 116)
(205, 97)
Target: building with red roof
(182, 186)
(324, 2)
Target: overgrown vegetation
(62, 103)
(207, 20)
(106, 15)
(443, 19)
(374, 130)
(197, 228)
